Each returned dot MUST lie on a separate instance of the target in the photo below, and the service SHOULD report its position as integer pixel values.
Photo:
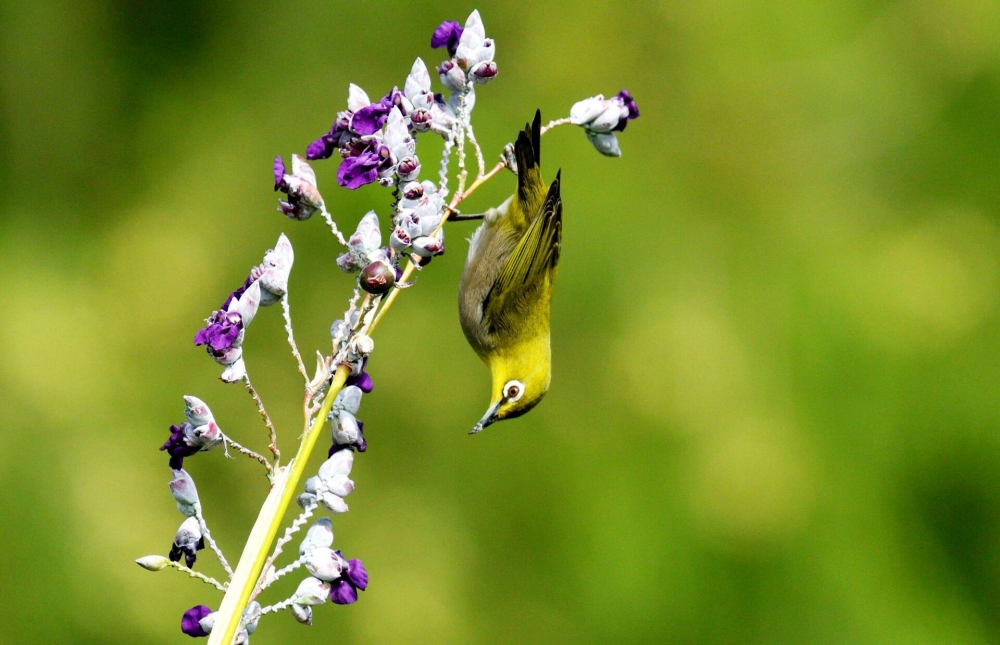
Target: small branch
(270, 609)
(211, 542)
(287, 312)
(333, 227)
(200, 576)
(264, 581)
(551, 124)
(272, 433)
(243, 450)
(449, 143)
(463, 174)
(479, 151)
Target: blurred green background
(776, 399)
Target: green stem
(286, 481)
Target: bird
(505, 292)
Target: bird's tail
(528, 152)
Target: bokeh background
(775, 416)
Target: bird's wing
(535, 253)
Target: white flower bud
(196, 412)
(252, 608)
(247, 304)
(399, 240)
(397, 136)
(189, 533)
(319, 536)
(208, 622)
(418, 81)
(348, 399)
(153, 562)
(339, 485)
(605, 142)
(242, 638)
(427, 246)
(333, 503)
(274, 271)
(303, 614)
(452, 76)
(306, 499)
(185, 494)
(324, 564)
(235, 371)
(346, 431)
(314, 485)
(340, 463)
(311, 591)
(356, 98)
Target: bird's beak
(488, 419)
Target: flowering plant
(377, 144)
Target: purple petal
(321, 148)
(370, 119)
(279, 172)
(201, 338)
(447, 35)
(355, 172)
(342, 592)
(633, 109)
(191, 621)
(365, 382)
(356, 574)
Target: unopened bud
(362, 344)
(196, 411)
(311, 591)
(184, 492)
(153, 562)
(303, 614)
(253, 609)
(324, 564)
(605, 142)
(319, 536)
(333, 503)
(347, 430)
(399, 240)
(377, 278)
(421, 120)
(208, 622)
(408, 168)
(428, 246)
(484, 72)
(452, 76)
(413, 190)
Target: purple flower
(323, 147)
(370, 119)
(447, 35)
(223, 329)
(357, 171)
(344, 590)
(362, 379)
(304, 198)
(188, 541)
(626, 100)
(191, 621)
(177, 447)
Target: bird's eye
(513, 390)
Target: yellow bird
(506, 287)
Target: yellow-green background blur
(775, 413)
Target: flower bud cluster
(333, 577)
(374, 139)
(199, 432)
(601, 118)
(419, 215)
(225, 329)
(471, 52)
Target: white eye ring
(513, 390)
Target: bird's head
(520, 380)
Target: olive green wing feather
(536, 253)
